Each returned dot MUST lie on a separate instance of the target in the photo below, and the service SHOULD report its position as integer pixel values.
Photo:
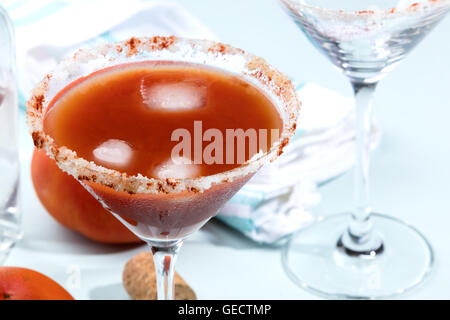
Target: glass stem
(359, 237)
(164, 258)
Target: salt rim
(84, 62)
(370, 14)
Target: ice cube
(172, 96)
(177, 169)
(114, 152)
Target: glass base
(314, 260)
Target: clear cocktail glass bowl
(362, 255)
(162, 212)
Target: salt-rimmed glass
(103, 182)
(362, 254)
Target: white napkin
(276, 201)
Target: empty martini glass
(162, 212)
(362, 254)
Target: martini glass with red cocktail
(163, 131)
